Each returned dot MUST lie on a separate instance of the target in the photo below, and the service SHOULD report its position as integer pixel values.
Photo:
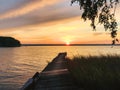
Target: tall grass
(96, 72)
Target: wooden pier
(55, 76)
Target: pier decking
(56, 76)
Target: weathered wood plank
(56, 76)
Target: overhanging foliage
(103, 10)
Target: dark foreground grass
(96, 72)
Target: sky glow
(48, 22)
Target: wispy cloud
(97, 33)
(38, 12)
(28, 7)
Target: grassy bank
(96, 72)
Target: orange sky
(44, 22)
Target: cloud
(50, 12)
(97, 34)
(6, 5)
(28, 7)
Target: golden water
(19, 64)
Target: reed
(96, 72)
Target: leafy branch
(104, 11)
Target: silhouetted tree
(103, 10)
(9, 42)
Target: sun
(67, 40)
(67, 43)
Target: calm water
(19, 64)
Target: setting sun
(68, 39)
(67, 43)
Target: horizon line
(69, 44)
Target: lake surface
(19, 64)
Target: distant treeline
(9, 42)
